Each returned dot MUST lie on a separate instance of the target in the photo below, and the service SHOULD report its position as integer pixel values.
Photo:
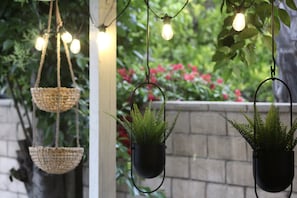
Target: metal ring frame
(131, 147)
(291, 122)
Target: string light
(66, 37)
(167, 31)
(103, 38)
(75, 46)
(238, 23)
(39, 43)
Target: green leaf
(284, 17)
(248, 33)
(7, 45)
(291, 4)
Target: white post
(102, 154)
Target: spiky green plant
(271, 135)
(149, 127)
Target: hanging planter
(148, 132)
(55, 160)
(273, 155)
(55, 99)
(47, 98)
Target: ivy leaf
(284, 17)
(291, 4)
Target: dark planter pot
(274, 171)
(148, 160)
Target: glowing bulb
(39, 43)
(103, 40)
(66, 37)
(167, 32)
(75, 46)
(239, 22)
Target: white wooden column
(102, 164)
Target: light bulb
(103, 40)
(75, 46)
(167, 32)
(39, 43)
(239, 22)
(66, 37)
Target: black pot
(148, 160)
(274, 171)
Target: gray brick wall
(206, 157)
(10, 132)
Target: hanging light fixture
(75, 46)
(66, 36)
(238, 23)
(103, 38)
(39, 43)
(167, 31)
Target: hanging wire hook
(272, 68)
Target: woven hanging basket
(56, 160)
(48, 99)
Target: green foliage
(149, 127)
(271, 134)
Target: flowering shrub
(179, 83)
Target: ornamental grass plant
(148, 127)
(271, 133)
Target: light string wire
(103, 26)
(162, 17)
(240, 6)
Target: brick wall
(206, 157)
(10, 133)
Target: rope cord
(46, 37)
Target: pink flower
(237, 92)
(206, 77)
(161, 69)
(126, 75)
(220, 80)
(193, 68)
(153, 70)
(212, 86)
(239, 99)
(177, 67)
(151, 96)
(153, 79)
(225, 96)
(168, 77)
(190, 76)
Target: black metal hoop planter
(148, 160)
(273, 172)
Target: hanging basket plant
(272, 144)
(55, 160)
(55, 99)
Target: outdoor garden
(205, 60)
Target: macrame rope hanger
(59, 25)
